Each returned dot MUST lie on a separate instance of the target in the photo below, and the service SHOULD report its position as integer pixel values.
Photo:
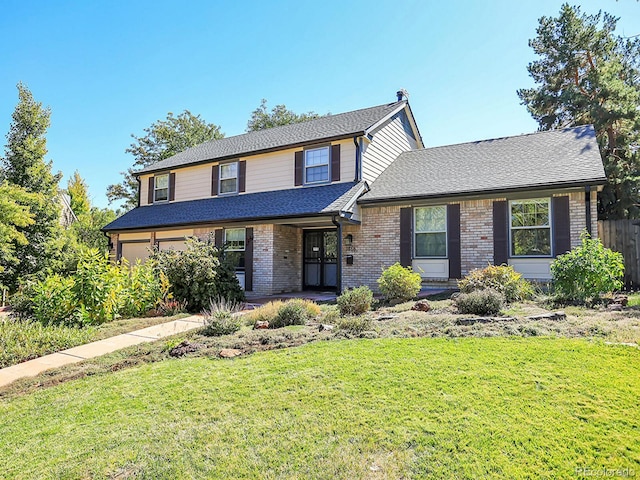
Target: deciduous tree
(161, 140)
(261, 118)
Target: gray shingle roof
(323, 128)
(295, 202)
(537, 160)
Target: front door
(320, 259)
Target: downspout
(587, 208)
(358, 155)
(339, 262)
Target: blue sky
(110, 69)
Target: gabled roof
(295, 202)
(330, 127)
(555, 158)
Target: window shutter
(453, 241)
(172, 187)
(298, 168)
(150, 193)
(561, 225)
(335, 163)
(405, 237)
(500, 232)
(248, 260)
(242, 175)
(214, 180)
(217, 237)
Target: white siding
(135, 236)
(431, 268)
(267, 172)
(185, 232)
(388, 142)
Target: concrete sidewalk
(33, 367)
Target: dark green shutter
(405, 236)
(248, 260)
(214, 180)
(150, 192)
(172, 187)
(217, 239)
(500, 232)
(335, 163)
(298, 168)
(561, 225)
(242, 176)
(453, 241)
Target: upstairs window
(430, 230)
(161, 188)
(316, 165)
(530, 227)
(229, 178)
(235, 245)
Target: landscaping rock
(386, 317)
(620, 299)
(559, 315)
(230, 352)
(322, 327)
(421, 306)
(471, 321)
(261, 325)
(614, 307)
(185, 347)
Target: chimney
(402, 94)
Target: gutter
(529, 188)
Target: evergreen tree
(78, 191)
(25, 166)
(587, 74)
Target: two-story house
(329, 203)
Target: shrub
(199, 274)
(502, 278)
(587, 271)
(295, 312)
(399, 283)
(480, 302)
(221, 318)
(54, 301)
(355, 301)
(355, 325)
(264, 313)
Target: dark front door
(320, 259)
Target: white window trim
(220, 179)
(415, 232)
(155, 188)
(328, 164)
(550, 227)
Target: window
(530, 227)
(234, 239)
(229, 178)
(316, 165)
(430, 229)
(161, 188)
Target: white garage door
(134, 251)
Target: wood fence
(623, 236)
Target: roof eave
(345, 136)
(222, 221)
(497, 192)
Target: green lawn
(388, 408)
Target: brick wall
(287, 259)
(376, 245)
(476, 234)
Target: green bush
(198, 274)
(355, 325)
(355, 301)
(264, 313)
(294, 312)
(399, 283)
(99, 291)
(587, 271)
(501, 278)
(480, 302)
(221, 318)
